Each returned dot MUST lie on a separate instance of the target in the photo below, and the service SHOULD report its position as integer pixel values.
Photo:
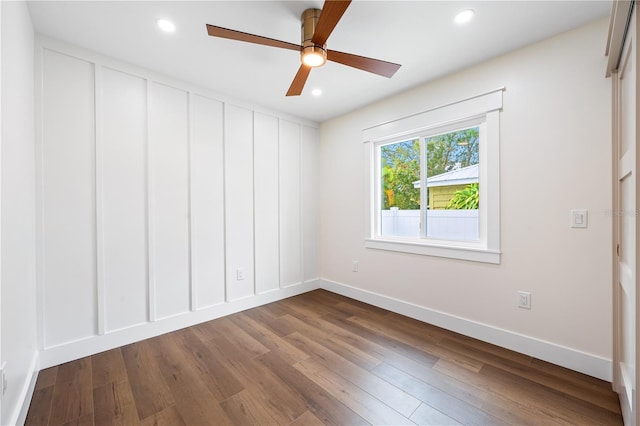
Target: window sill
(451, 251)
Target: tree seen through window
(400, 164)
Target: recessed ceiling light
(316, 92)
(166, 25)
(464, 16)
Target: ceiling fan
(317, 25)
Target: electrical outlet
(3, 377)
(240, 274)
(524, 299)
(355, 266)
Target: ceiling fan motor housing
(309, 22)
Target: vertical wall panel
(168, 145)
(310, 188)
(68, 185)
(238, 151)
(207, 201)
(124, 198)
(290, 221)
(266, 203)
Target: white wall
(18, 309)
(555, 156)
(152, 195)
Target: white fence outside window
(443, 224)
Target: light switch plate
(579, 218)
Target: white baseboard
(19, 414)
(95, 344)
(573, 359)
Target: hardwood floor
(318, 358)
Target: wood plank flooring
(314, 359)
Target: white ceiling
(420, 35)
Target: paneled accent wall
(207, 203)
(68, 183)
(161, 203)
(122, 202)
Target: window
(429, 186)
(434, 181)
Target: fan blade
(332, 11)
(299, 80)
(250, 38)
(375, 66)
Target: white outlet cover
(524, 300)
(3, 377)
(239, 274)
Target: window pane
(453, 185)
(400, 189)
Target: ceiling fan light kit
(311, 54)
(317, 25)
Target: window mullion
(424, 202)
(378, 193)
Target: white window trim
(485, 107)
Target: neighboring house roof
(463, 176)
